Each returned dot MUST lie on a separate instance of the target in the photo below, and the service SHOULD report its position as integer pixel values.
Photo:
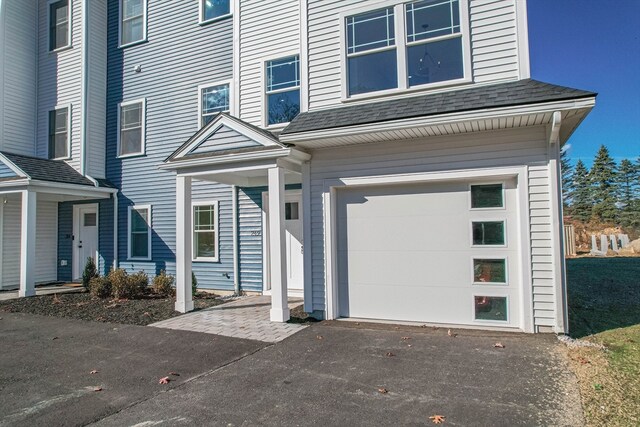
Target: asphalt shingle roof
(515, 93)
(51, 170)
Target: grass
(604, 308)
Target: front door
(85, 237)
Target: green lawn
(604, 307)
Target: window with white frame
(59, 24)
(133, 21)
(205, 231)
(213, 100)
(283, 89)
(131, 128)
(59, 135)
(430, 49)
(139, 232)
(211, 10)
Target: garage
(442, 253)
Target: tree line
(608, 192)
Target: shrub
(194, 284)
(163, 284)
(90, 272)
(139, 282)
(124, 286)
(100, 287)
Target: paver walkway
(246, 318)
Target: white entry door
(85, 237)
(293, 240)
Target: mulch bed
(298, 315)
(83, 306)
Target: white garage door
(435, 253)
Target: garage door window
(487, 196)
(490, 308)
(488, 233)
(490, 271)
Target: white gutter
(83, 103)
(236, 258)
(115, 231)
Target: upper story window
(428, 49)
(283, 89)
(213, 100)
(59, 134)
(133, 21)
(59, 24)
(211, 10)
(131, 117)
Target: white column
(28, 244)
(184, 217)
(277, 247)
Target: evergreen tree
(567, 179)
(581, 203)
(603, 178)
(629, 187)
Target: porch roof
(510, 94)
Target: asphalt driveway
(332, 373)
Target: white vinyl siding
(493, 39)
(262, 40)
(526, 147)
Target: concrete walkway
(246, 318)
(43, 290)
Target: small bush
(122, 287)
(139, 282)
(100, 287)
(90, 272)
(194, 284)
(163, 284)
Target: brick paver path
(247, 317)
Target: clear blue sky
(592, 45)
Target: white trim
(202, 21)
(307, 288)
(557, 241)
(2, 201)
(522, 30)
(216, 230)
(84, 86)
(143, 134)
(235, 236)
(8, 163)
(208, 85)
(69, 108)
(304, 56)
(144, 25)
(235, 107)
(69, 45)
(401, 45)
(116, 215)
(490, 257)
(265, 93)
(149, 227)
(76, 265)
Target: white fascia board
(442, 119)
(228, 158)
(8, 163)
(70, 189)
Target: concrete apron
(247, 318)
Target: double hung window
(283, 89)
(214, 99)
(59, 135)
(131, 132)
(132, 21)
(59, 25)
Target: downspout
(83, 104)
(234, 213)
(115, 230)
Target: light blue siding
(222, 139)
(179, 56)
(6, 172)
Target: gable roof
(508, 94)
(50, 170)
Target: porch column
(28, 244)
(277, 247)
(184, 296)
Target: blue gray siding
(179, 56)
(6, 172)
(224, 138)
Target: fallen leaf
(56, 299)
(389, 354)
(146, 313)
(405, 338)
(437, 419)
(498, 345)
(175, 374)
(92, 372)
(319, 337)
(451, 334)
(97, 389)
(383, 390)
(54, 338)
(408, 345)
(164, 380)
(582, 360)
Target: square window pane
(131, 116)
(432, 18)
(373, 72)
(132, 30)
(215, 99)
(130, 141)
(204, 218)
(488, 233)
(205, 244)
(487, 196)
(491, 308)
(489, 271)
(291, 211)
(435, 62)
(140, 245)
(215, 8)
(90, 219)
(283, 73)
(370, 30)
(283, 106)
